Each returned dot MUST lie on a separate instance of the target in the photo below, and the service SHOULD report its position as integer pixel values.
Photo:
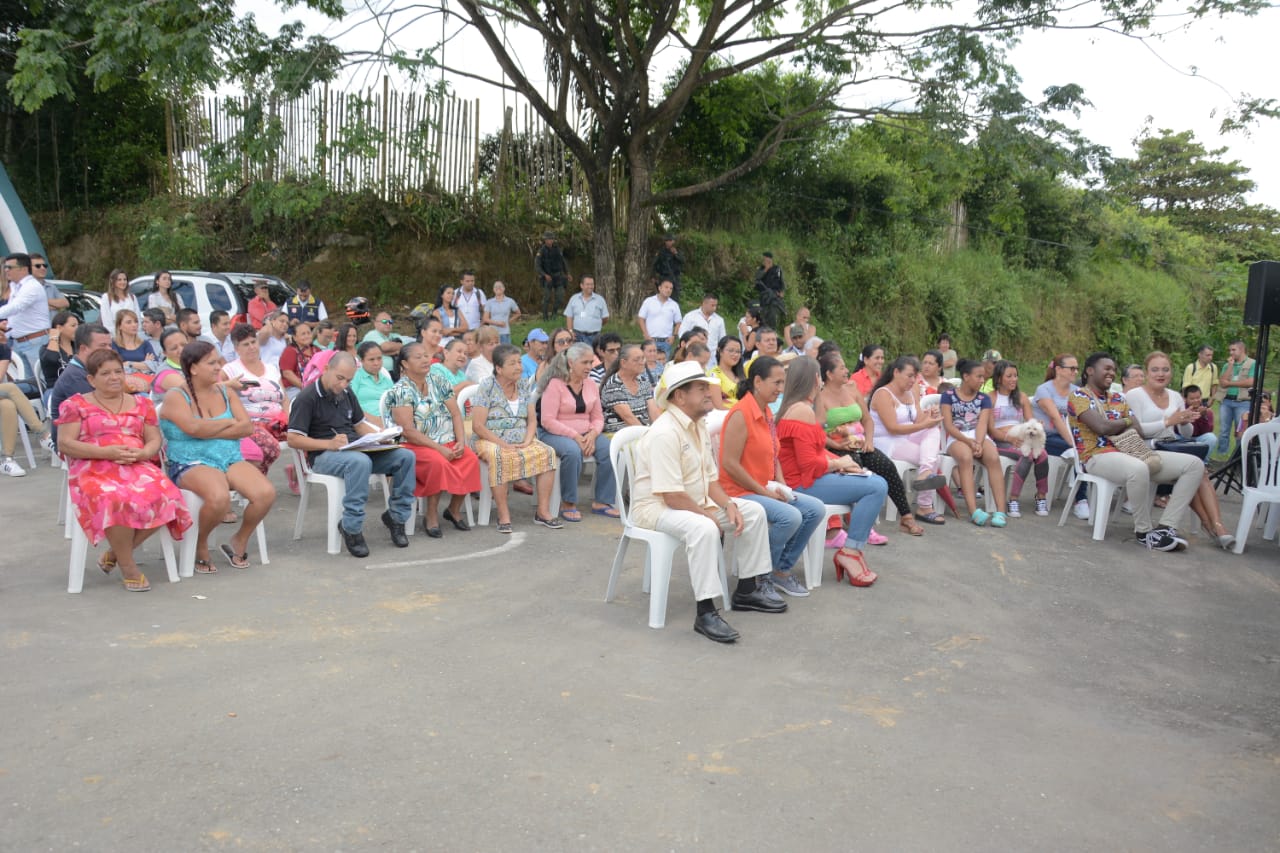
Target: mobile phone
(249, 383)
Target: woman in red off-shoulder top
(812, 470)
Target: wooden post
(323, 136)
(386, 129)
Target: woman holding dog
(1164, 418)
(1010, 412)
(966, 417)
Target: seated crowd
(772, 447)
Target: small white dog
(1028, 436)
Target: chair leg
(466, 505)
(334, 515)
(486, 496)
(187, 553)
(1248, 507)
(262, 543)
(1101, 513)
(814, 555)
(26, 442)
(303, 494)
(170, 558)
(79, 553)
(661, 553)
(616, 570)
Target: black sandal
(236, 561)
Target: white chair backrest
(621, 450)
(1267, 438)
(383, 411)
(931, 401)
(464, 399)
(300, 457)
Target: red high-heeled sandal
(863, 575)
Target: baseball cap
(796, 331)
(992, 355)
(536, 335)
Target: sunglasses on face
(384, 322)
(39, 266)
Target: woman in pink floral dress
(110, 439)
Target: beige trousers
(701, 537)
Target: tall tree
(1198, 190)
(601, 56)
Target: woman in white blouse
(1164, 417)
(117, 298)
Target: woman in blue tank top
(202, 426)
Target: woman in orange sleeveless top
(750, 469)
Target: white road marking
(515, 541)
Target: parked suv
(84, 304)
(207, 292)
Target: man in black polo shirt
(322, 420)
(72, 381)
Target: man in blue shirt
(535, 353)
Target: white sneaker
(47, 444)
(1042, 506)
(1015, 511)
(10, 468)
(1126, 508)
(1081, 510)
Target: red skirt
(435, 475)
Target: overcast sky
(1187, 80)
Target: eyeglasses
(1072, 367)
(12, 267)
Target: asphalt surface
(1025, 689)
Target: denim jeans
(570, 455)
(355, 468)
(1229, 414)
(790, 526)
(866, 494)
(30, 352)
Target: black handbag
(1185, 445)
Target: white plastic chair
(80, 548)
(662, 546)
(814, 555)
(1059, 468)
(187, 557)
(1103, 493)
(1266, 489)
(18, 373)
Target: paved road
(1018, 690)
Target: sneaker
(553, 522)
(1126, 508)
(1015, 511)
(11, 468)
(1042, 506)
(1179, 544)
(787, 583)
(1081, 510)
(1159, 539)
(48, 444)
(764, 584)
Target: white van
(207, 292)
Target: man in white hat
(675, 489)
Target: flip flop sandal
(236, 561)
(571, 515)
(107, 561)
(204, 567)
(606, 510)
(910, 527)
(932, 518)
(138, 584)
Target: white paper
(373, 438)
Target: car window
(84, 307)
(219, 299)
(186, 293)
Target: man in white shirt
(27, 311)
(586, 312)
(705, 317)
(469, 299)
(219, 334)
(659, 316)
(675, 489)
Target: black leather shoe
(397, 530)
(713, 627)
(433, 532)
(459, 523)
(756, 600)
(355, 542)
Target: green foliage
(176, 244)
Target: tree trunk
(635, 285)
(604, 250)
